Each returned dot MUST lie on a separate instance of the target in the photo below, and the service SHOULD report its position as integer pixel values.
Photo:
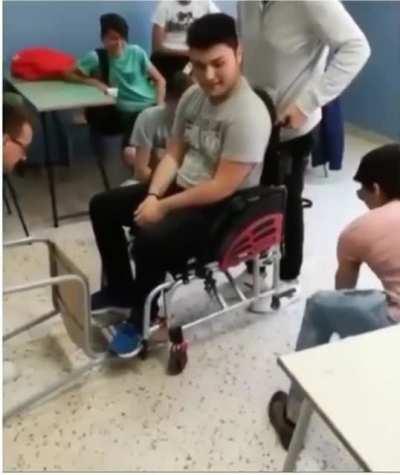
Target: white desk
(354, 384)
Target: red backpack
(41, 63)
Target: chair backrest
(72, 299)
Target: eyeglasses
(24, 147)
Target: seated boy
(139, 83)
(372, 239)
(209, 158)
(148, 142)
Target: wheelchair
(250, 229)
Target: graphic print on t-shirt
(180, 22)
(205, 136)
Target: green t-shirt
(129, 73)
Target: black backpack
(103, 119)
(104, 65)
(272, 172)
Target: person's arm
(150, 211)
(76, 75)
(141, 164)
(159, 83)
(167, 169)
(350, 251)
(228, 178)
(347, 274)
(333, 25)
(238, 157)
(84, 70)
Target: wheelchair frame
(71, 296)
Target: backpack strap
(104, 65)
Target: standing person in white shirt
(304, 54)
(171, 21)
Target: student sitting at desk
(17, 136)
(148, 141)
(125, 67)
(372, 239)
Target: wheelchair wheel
(275, 302)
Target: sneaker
(125, 341)
(277, 415)
(104, 301)
(10, 372)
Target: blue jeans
(344, 312)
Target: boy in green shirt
(139, 84)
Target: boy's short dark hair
(15, 115)
(177, 85)
(213, 29)
(114, 22)
(381, 166)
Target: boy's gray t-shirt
(237, 129)
(152, 128)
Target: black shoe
(277, 415)
(105, 301)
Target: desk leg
(297, 441)
(49, 169)
(14, 197)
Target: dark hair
(177, 85)
(14, 117)
(212, 29)
(381, 166)
(112, 21)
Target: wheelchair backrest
(270, 172)
(252, 223)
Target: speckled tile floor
(130, 416)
